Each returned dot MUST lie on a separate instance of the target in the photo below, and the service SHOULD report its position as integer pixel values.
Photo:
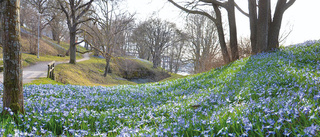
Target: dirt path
(40, 69)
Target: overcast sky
(303, 16)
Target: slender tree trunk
(72, 48)
(55, 35)
(156, 59)
(12, 91)
(253, 25)
(233, 31)
(262, 29)
(197, 49)
(275, 26)
(107, 68)
(222, 41)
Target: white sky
(303, 15)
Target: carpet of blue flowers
(270, 94)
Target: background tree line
(112, 32)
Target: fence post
(51, 70)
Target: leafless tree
(264, 27)
(203, 42)
(12, 91)
(30, 20)
(198, 6)
(109, 30)
(57, 21)
(177, 49)
(141, 45)
(156, 35)
(42, 11)
(74, 11)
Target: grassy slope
(267, 94)
(47, 52)
(90, 72)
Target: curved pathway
(40, 70)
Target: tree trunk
(262, 28)
(275, 26)
(12, 91)
(72, 48)
(55, 35)
(253, 25)
(233, 31)
(222, 41)
(156, 60)
(107, 68)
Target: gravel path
(40, 69)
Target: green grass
(173, 76)
(65, 45)
(91, 72)
(88, 73)
(41, 81)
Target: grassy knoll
(90, 72)
(270, 94)
(48, 52)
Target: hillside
(123, 71)
(275, 94)
(48, 50)
(29, 43)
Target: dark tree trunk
(12, 91)
(253, 25)
(156, 59)
(74, 10)
(262, 28)
(275, 26)
(233, 31)
(55, 35)
(72, 48)
(222, 41)
(107, 68)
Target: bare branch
(289, 4)
(79, 42)
(84, 10)
(193, 11)
(222, 4)
(242, 11)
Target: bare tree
(109, 30)
(264, 27)
(42, 8)
(176, 50)
(12, 91)
(141, 45)
(74, 11)
(203, 38)
(57, 21)
(156, 35)
(217, 20)
(30, 20)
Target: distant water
(141, 80)
(183, 73)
